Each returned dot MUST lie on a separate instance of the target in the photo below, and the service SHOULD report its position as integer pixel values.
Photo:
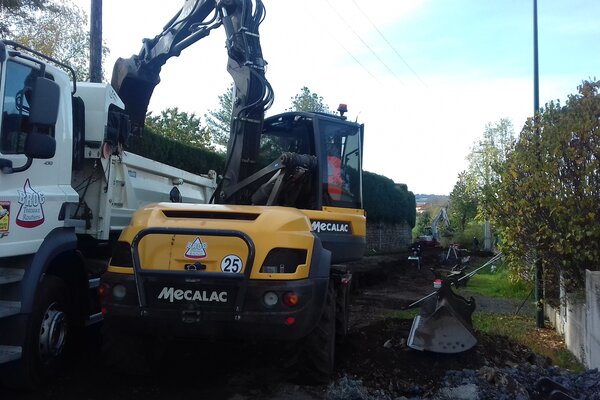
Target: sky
(424, 76)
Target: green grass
(498, 285)
(405, 314)
(522, 329)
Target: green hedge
(384, 201)
(192, 159)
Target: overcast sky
(424, 76)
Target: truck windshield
(15, 107)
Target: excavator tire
(317, 352)
(127, 353)
(342, 312)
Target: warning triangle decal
(196, 249)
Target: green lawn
(498, 284)
(523, 329)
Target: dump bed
(111, 189)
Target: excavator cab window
(335, 142)
(279, 139)
(341, 177)
(291, 133)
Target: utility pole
(539, 268)
(96, 41)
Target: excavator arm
(442, 216)
(135, 78)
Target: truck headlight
(119, 291)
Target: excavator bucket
(134, 83)
(444, 325)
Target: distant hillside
(434, 199)
(427, 202)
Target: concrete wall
(592, 291)
(383, 237)
(579, 322)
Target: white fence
(579, 322)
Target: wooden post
(96, 41)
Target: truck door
(30, 199)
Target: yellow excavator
(265, 259)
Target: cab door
(30, 191)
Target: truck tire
(46, 337)
(317, 353)
(127, 353)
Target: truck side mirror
(43, 109)
(37, 145)
(40, 145)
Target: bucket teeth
(444, 325)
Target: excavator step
(10, 275)
(8, 308)
(10, 353)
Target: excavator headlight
(283, 261)
(270, 299)
(121, 255)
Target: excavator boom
(135, 78)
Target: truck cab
(67, 189)
(33, 186)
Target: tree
(463, 202)
(486, 161)
(549, 189)
(18, 12)
(309, 102)
(59, 30)
(423, 222)
(180, 126)
(218, 121)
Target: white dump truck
(67, 189)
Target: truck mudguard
(58, 241)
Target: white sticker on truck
(31, 213)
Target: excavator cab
(311, 162)
(334, 145)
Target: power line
(388, 43)
(349, 53)
(363, 42)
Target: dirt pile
(378, 356)
(375, 363)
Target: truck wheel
(127, 353)
(318, 350)
(46, 337)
